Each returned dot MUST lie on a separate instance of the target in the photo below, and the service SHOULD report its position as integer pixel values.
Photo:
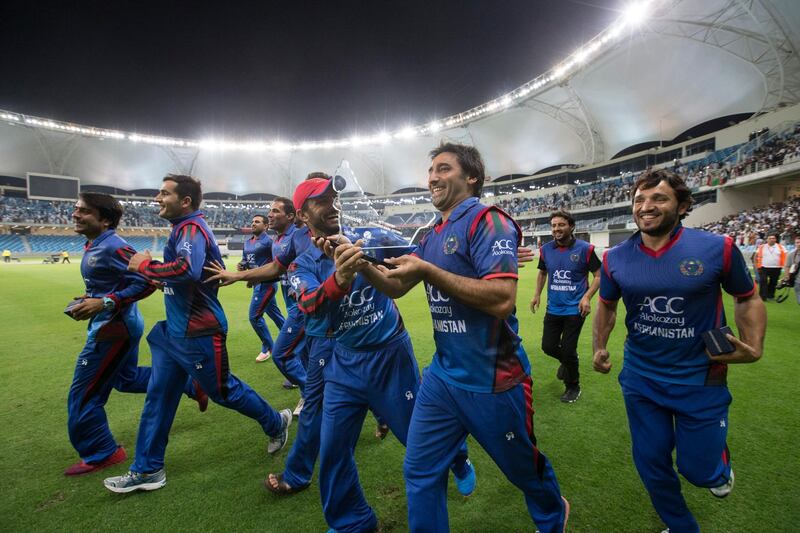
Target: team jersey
(358, 316)
(193, 309)
(286, 248)
(257, 251)
(567, 270)
(104, 268)
(672, 296)
(474, 350)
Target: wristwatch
(109, 304)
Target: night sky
(293, 70)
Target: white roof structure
(664, 67)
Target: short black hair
(470, 160)
(565, 215)
(187, 186)
(288, 205)
(262, 217)
(320, 175)
(107, 206)
(651, 178)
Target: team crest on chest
(92, 261)
(574, 258)
(691, 267)
(450, 244)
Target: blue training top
(672, 296)
(358, 316)
(104, 268)
(567, 270)
(257, 251)
(474, 350)
(193, 309)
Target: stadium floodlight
(435, 126)
(406, 133)
(635, 13)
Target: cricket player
(671, 280)
(479, 381)
(257, 252)
(110, 357)
(191, 341)
(564, 264)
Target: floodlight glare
(635, 13)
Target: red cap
(309, 189)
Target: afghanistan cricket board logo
(450, 245)
(574, 258)
(691, 267)
(92, 261)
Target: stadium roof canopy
(664, 67)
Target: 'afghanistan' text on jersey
(672, 296)
(474, 350)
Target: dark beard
(668, 223)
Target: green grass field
(217, 460)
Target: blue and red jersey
(567, 270)
(257, 251)
(672, 296)
(193, 309)
(104, 268)
(358, 316)
(474, 350)
(285, 249)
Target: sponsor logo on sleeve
(503, 247)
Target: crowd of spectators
(750, 228)
(765, 151)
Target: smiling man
(671, 280)
(192, 340)
(110, 357)
(566, 262)
(479, 380)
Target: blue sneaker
(466, 484)
(136, 481)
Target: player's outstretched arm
(750, 315)
(268, 272)
(603, 325)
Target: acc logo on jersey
(434, 296)
(503, 247)
(691, 267)
(450, 244)
(663, 305)
(359, 298)
(562, 274)
(187, 246)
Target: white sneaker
(723, 490)
(263, 356)
(299, 408)
(277, 443)
(135, 481)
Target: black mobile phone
(70, 305)
(716, 341)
